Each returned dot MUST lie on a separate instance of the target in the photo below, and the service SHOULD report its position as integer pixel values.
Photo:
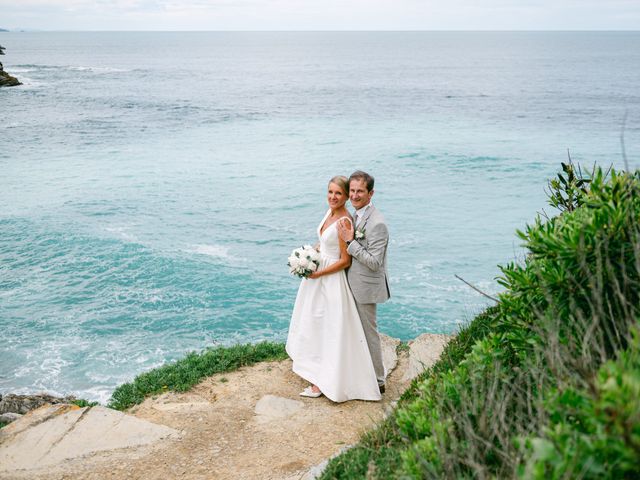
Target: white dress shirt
(360, 213)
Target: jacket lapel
(365, 218)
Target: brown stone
(7, 80)
(10, 403)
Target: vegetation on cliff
(181, 375)
(546, 384)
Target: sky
(320, 14)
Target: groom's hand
(345, 229)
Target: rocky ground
(249, 424)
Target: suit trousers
(367, 312)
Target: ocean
(152, 185)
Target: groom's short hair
(360, 175)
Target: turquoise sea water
(152, 185)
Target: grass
(81, 402)
(181, 375)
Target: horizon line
(36, 30)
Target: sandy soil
(223, 437)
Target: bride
(326, 341)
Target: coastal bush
(181, 375)
(567, 191)
(565, 311)
(582, 268)
(456, 350)
(593, 432)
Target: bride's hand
(314, 275)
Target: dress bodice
(329, 242)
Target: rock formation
(6, 80)
(13, 406)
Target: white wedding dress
(326, 341)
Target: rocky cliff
(7, 80)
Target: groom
(367, 276)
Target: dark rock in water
(22, 404)
(7, 80)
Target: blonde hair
(342, 182)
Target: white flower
(359, 234)
(304, 261)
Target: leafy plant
(81, 402)
(566, 191)
(593, 432)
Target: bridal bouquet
(304, 261)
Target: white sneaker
(308, 392)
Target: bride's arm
(344, 262)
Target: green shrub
(582, 269)
(462, 421)
(567, 191)
(593, 432)
(81, 402)
(457, 348)
(377, 455)
(180, 376)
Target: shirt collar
(360, 213)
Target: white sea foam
(96, 69)
(98, 394)
(217, 251)
(27, 83)
(122, 233)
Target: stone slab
(389, 355)
(9, 417)
(52, 434)
(35, 417)
(424, 351)
(273, 407)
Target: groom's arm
(373, 255)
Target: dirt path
(222, 436)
